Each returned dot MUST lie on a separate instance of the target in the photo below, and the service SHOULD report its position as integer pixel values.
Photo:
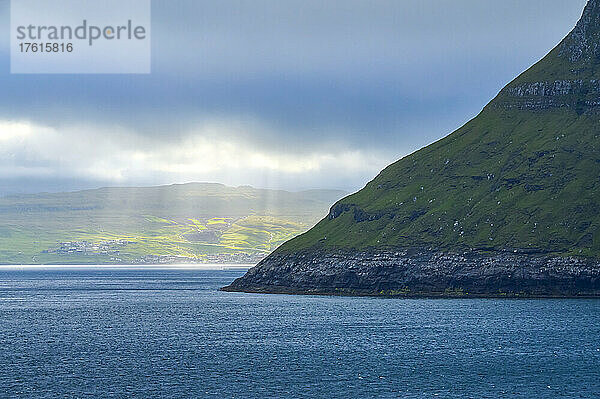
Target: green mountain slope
(190, 222)
(523, 175)
(509, 203)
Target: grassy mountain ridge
(191, 222)
(522, 176)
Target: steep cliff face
(422, 273)
(568, 77)
(582, 46)
(518, 186)
(576, 94)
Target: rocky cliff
(508, 205)
(419, 273)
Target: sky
(293, 94)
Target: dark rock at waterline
(423, 273)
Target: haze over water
(168, 333)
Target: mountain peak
(583, 43)
(567, 77)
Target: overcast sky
(288, 94)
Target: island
(506, 206)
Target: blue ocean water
(105, 333)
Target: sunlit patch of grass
(156, 219)
(197, 224)
(218, 221)
(254, 234)
(153, 221)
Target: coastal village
(112, 250)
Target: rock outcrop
(418, 273)
(557, 94)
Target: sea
(103, 332)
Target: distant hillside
(508, 204)
(189, 222)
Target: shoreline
(433, 295)
(207, 266)
(418, 273)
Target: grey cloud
(386, 76)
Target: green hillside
(191, 222)
(523, 176)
